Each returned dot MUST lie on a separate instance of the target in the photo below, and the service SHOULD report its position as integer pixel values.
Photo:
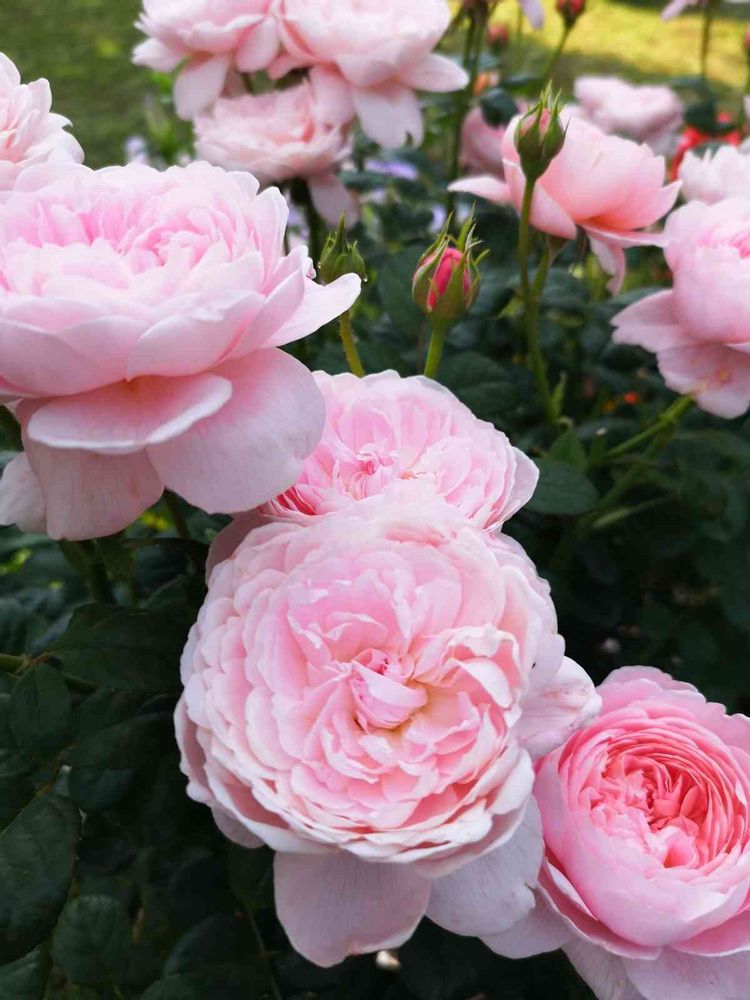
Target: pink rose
(713, 176)
(211, 37)
(278, 136)
(646, 817)
(482, 154)
(610, 187)
(371, 57)
(650, 114)
(362, 694)
(700, 330)
(29, 132)
(21, 500)
(141, 315)
(388, 435)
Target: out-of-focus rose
(482, 154)
(279, 136)
(610, 187)
(717, 174)
(29, 132)
(646, 816)
(211, 37)
(141, 315)
(692, 137)
(387, 435)
(363, 694)
(650, 114)
(700, 330)
(371, 55)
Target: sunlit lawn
(83, 47)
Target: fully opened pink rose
(141, 315)
(646, 113)
(363, 694)
(700, 330)
(611, 187)
(279, 136)
(715, 175)
(207, 38)
(29, 132)
(371, 56)
(646, 816)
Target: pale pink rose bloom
(700, 329)
(482, 155)
(211, 38)
(646, 877)
(363, 693)
(141, 316)
(609, 186)
(21, 499)
(713, 176)
(371, 55)
(646, 113)
(279, 136)
(29, 132)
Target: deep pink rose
(278, 136)
(715, 175)
(141, 315)
(211, 37)
(29, 132)
(700, 330)
(646, 816)
(371, 57)
(393, 436)
(646, 113)
(363, 693)
(482, 154)
(610, 187)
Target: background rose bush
(142, 894)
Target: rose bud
(746, 42)
(540, 136)
(498, 36)
(570, 11)
(446, 281)
(340, 257)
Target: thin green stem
(178, 518)
(709, 12)
(552, 64)
(350, 348)
(11, 664)
(531, 296)
(518, 39)
(435, 350)
(11, 427)
(668, 418)
(471, 56)
(264, 954)
(86, 559)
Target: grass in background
(83, 47)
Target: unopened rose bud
(498, 36)
(446, 281)
(340, 257)
(746, 42)
(570, 10)
(540, 136)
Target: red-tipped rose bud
(446, 281)
(746, 42)
(498, 36)
(540, 136)
(570, 10)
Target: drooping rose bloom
(211, 37)
(371, 55)
(404, 438)
(700, 330)
(482, 155)
(363, 693)
(651, 113)
(646, 877)
(717, 174)
(279, 136)
(29, 132)
(141, 315)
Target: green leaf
(94, 789)
(126, 744)
(126, 649)
(562, 489)
(92, 939)
(394, 288)
(569, 449)
(218, 940)
(250, 875)
(40, 710)
(489, 389)
(26, 978)
(498, 107)
(37, 855)
(235, 982)
(13, 626)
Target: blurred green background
(83, 47)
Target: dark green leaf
(37, 854)
(126, 649)
(235, 982)
(498, 107)
(13, 626)
(489, 389)
(92, 939)
(569, 449)
(126, 744)
(40, 710)
(394, 287)
(218, 940)
(26, 978)
(93, 788)
(562, 489)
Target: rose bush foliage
(360, 680)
